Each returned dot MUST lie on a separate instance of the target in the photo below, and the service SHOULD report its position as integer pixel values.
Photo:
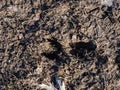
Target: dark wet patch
(89, 46)
(78, 53)
(50, 55)
(58, 47)
(59, 59)
(80, 49)
(58, 54)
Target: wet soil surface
(77, 40)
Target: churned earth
(76, 40)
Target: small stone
(39, 70)
(20, 36)
(67, 72)
(63, 16)
(107, 2)
(74, 37)
(9, 61)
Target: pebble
(20, 36)
(107, 2)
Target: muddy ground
(77, 40)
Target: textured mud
(77, 40)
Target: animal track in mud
(50, 55)
(80, 49)
(57, 54)
(57, 49)
(56, 45)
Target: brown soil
(77, 40)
